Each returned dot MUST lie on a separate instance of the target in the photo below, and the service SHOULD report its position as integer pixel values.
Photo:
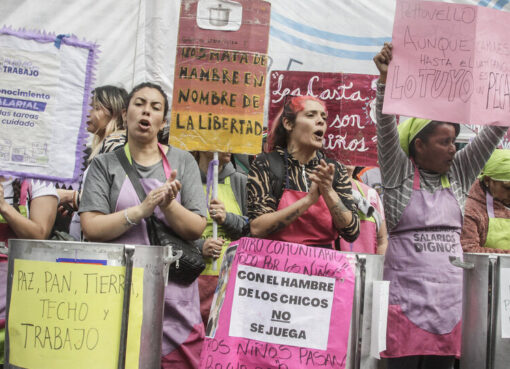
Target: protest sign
(285, 306)
(450, 63)
(350, 137)
(220, 76)
(66, 315)
(44, 100)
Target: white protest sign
(380, 298)
(285, 308)
(44, 101)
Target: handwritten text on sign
(219, 84)
(66, 315)
(450, 63)
(286, 308)
(350, 137)
(270, 284)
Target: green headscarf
(408, 130)
(498, 166)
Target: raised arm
(394, 163)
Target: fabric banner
(44, 96)
(450, 63)
(220, 75)
(350, 100)
(285, 306)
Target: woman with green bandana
(425, 181)
(486, 225)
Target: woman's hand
(382, 60)
(68, 201)
(212, 248)
(217, 211)
(323, 176)
(173, 186)
(153, 199)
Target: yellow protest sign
(220, 77)
(66, 315)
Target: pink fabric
(418, 341)
(366, 241)
(314, 227)
(187, 355)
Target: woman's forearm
(38, 226)
(342, 216)
(187, 224)
(272, 222)
(101, 227)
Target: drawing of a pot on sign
(219, 16)
(224, 15)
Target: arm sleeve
(469, 161)
(192, 193)
(393, 162)
(343, 188)
(259, 191)
(96, 189)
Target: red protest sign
(350, 100)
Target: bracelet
(76, 203)
(129, 221)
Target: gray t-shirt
(106, 180)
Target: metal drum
(369, 268)
(482, 342)
(154, 259)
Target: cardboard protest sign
(44, 100)
(450, 63)
(220, 76)
(351, 136)
(285, 306)
(66, 315)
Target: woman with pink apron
(425, 181)
(295, 193)
(111, 211)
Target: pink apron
(183, 330)
(425, 290)
(314, 227)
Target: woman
(27, 210)
(486, 225)
(111, 211)
(373, 237)
(227, 210)
(295, 193)
(424, 182)
(106, 123)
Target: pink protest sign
(350, 137)
(450, 63)
(285, 306)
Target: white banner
(44, 100)
(286, 308)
